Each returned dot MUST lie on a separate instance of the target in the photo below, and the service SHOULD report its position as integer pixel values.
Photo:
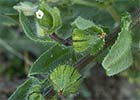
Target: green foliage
(27, 91)
(52, 58)
(72, 33)
(65, 79)
(119, 57)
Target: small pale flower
(39, 14)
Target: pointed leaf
(24, 90)
(51, 58)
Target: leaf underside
(119, 57)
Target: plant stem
(55, 37)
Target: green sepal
(80, 40)
(85, 36)
(65, 79)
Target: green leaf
(51, 58)
(28, 25)
(119, 57)
(65, 79)
(23, 91)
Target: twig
(55, 37)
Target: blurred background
(17, 52)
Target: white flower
(39, 14)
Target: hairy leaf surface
(25, 90)
(51, 58)
(119, 57)
(65, 79)
(86, 36)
